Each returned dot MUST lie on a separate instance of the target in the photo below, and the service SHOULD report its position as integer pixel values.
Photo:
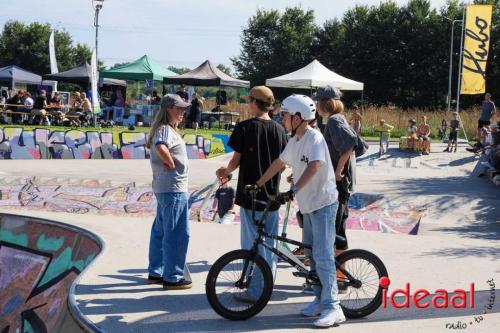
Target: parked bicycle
(240, 283)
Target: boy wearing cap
(453, 137)
(256, 142)
(308, 155)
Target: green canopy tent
(144, 68)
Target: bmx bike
(245, 273)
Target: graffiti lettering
(41, 143)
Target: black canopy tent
(13, 74)
(81, 75)
(208, 75)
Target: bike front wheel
(239, 286)
(361, 295)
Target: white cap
(300, 104)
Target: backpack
(361, 147)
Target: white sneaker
(330, 317)
(313, 309)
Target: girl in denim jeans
(169, 162)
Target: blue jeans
(169, 237)
(319, 231)
(248, 233)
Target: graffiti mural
(38, 262)
(366, 212)
(17, 143)
(76, 196)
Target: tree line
(401, 53)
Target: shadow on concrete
(463, 161)
(191, 313)
(450, 194)
(476, 252)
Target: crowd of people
(24, 109)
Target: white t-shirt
(321, 190)
(28, 103)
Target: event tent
(312, 76)
(13, 74)
(80, 75)
(144, 68)
(207, 74)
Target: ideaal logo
(422, 299)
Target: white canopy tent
(312, 76)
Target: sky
(175, 33)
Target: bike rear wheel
(363, 295)
(228, 289)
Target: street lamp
(97, 4)
(451, 60)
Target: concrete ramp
(40, 263)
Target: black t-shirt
(184, 95)
(39, 103)
(259, 142)
(225, 197)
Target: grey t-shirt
(486, 109)
(169, 180)
(340, 137)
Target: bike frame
(283, 254)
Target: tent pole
(362, 100)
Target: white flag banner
(52, 54)
(95, 81)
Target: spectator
(453, 137)
(195, 113)
(423, 132)
(487, 110)
(39, 113)
(3, 98)
(356, 119)
(385, 134)
(15, 104)
(412, 138)
(155, 99)
(223, 204)
(28, 102)
(183, 93)
(74, 115)
(86, 108)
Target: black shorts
(481, 123)
(453, 136)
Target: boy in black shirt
(224, 203)
(256, 142)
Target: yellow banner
(476, 47)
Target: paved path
(458, 243)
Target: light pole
(451, 60)
(97, 6)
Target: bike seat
(339, 239)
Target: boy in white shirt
(316, 192)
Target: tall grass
(399, 119)
(392, 115)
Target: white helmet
(300, 104)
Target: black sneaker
(155, 279)
(181, 284)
